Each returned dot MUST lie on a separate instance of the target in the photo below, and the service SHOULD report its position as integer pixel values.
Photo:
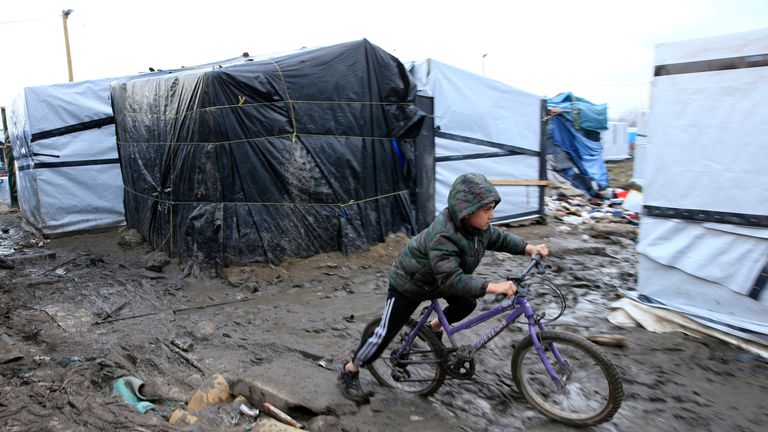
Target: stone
(156, 260)
(130, 238)
(324, 423)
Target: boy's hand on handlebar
(507, 288)
(540, 249)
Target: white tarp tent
(486, 126)
(615, 142)
(704, 234)
(63, 139)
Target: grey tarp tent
(63, 139)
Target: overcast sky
(600, 50)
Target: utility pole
(64, 16)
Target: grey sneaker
(350, 386)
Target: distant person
(438, 263)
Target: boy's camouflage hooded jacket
(439, 261)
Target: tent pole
(543, 157)
(425, 165)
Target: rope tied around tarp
(288, 99)
(340, 204)
(245, 140)
(241, 104)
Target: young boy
(438, 263)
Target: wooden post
(64, 17)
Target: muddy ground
(77, 313)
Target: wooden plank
(520, 182)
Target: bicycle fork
(534, 324)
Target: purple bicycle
(564, 376)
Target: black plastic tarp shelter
(256, 159)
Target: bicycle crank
(460, 364)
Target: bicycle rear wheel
(591, 390)
(418, 370)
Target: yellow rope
(348, 203)
(257, 138)
(288, 97)
(243, 104)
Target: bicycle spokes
(567, 379)
(416, 368)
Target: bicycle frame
(521, 307)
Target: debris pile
(212, 406)
(616, 206)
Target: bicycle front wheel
(418, 370)
(590, 390)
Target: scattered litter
(127, 388)
(281, 416)
(573, 220)
(245, 408)
(66, 361)
(183, 344)
(616, 205)
(187, 358)
(609, 340)
(58, 268)
(115, 311)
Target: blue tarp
(586, 156)
(590, 116)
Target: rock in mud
(156, 260)
(158, 388)
(205, 330)
(213, 391)
(324, 423)
(130, 238)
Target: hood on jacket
(470, 192)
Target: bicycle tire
(428, 377)
(587, 364)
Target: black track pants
(397, 310)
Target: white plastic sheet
(615, 141)
(473, 106)
(69, 181)
(708, 153)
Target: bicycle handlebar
(535, 262)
